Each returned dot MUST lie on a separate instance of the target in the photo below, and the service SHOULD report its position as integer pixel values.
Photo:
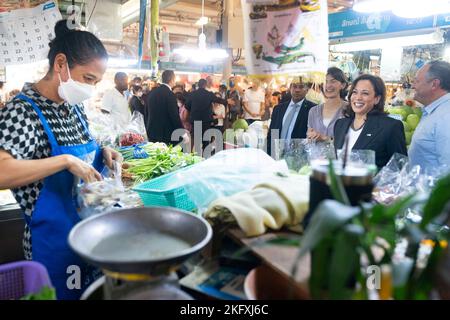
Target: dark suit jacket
(161, 115)
(381, 133)
(301, 123)
(199, 104)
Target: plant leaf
(329, 216)
(336, 186)
(344, 261)
(382, 213)
(439, 197)
(319, 269)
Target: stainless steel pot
(193, 229)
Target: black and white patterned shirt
(23, 136)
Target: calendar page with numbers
(25, 33)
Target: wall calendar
(25, 33)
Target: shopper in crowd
(322, 118)
(210, 84)
(366, 124)
(276, 98)
(219, 113)
(253, 102)
(161, 113)
(45, 146)
(285, 95)
(199, 105)
(115, 104)
(268, 106)
(235, 105)
(290, 119)
(430, 145)
(184, 113)
(178, 89)
(223, 91)
(137, 81)
(137, 102)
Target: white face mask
(74, 92)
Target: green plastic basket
(165, 191)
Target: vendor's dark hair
(380, 91)
(339, 75)
(79, 47)
(440, 70)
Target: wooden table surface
(279, 257)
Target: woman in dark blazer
(367, 125)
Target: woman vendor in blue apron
(45, 147)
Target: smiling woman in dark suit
(366, 123)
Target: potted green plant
(345, 242)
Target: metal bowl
(86, 235)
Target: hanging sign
(291, 37)
(25, 33)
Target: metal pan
(86, 235)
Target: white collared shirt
(294, 120)
(117, 105)
(167, 85)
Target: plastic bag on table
(228, 172)
(299, 154)
(398, 178)
(135, 132)
(106, 195)
(102, 131)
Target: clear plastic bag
(398, 178)
(137, 124)
(300, 153)
(135, 132)
(228, 172)
(102, 131)
(105, 195)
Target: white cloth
(219, 110)
(254, 99)
(353, 137)
(276, 203)
(326, 121)
(117, 105)
(294, 119)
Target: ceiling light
(202, 21)
(423, 39)
(419, 9)
(202, 54)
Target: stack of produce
(151, 160)
(410, 117)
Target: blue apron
(55, 214)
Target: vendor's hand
(81, 169)
(231, 102)
(110, 155)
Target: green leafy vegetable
(46, 293)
